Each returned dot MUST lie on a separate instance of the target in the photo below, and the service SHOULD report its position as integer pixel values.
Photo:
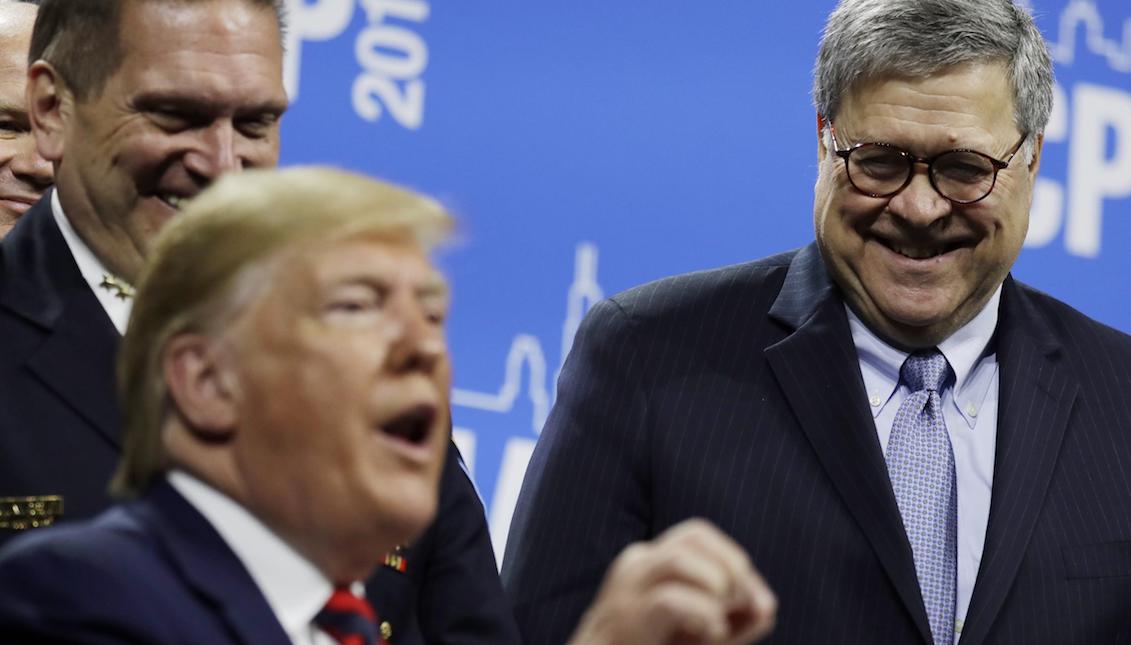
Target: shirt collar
(966, 346)
(880, 362)
(91, 268)
(294, 588)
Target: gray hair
(868, 39)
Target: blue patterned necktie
(921, 467)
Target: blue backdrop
(588, 146)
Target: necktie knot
(925, 370)
(349, 620)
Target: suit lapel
(1036, 397)
(43, 285)
(209, 566)
(818, 369)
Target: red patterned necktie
(349, 620)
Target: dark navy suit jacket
(149, 571)
(59, 423)
(59, 435)
(736, 395)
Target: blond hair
(210, 261)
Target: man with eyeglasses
(912, 446)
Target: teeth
(916, 253)
(176, 201)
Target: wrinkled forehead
(209, 59)
(217, 27)
(973, 98)
(16, 20)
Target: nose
(214, 152)
(418, 344)
(919, 204)
(31, 168)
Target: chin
(915, 307)
(411, 516)
(915, 318)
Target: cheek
(837, 205)
(258, 153)
(9, 149)
(824, 205)
(1004, 224)
(283, 383)
(444, 376)
(844, 218)
(146, 157)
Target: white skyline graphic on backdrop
(1085, 13)
(525, 351)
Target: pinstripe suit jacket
(736, 395)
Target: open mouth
(176, 202)
(924, 251)
(413, 426)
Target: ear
(1035, 164)
(50, 104)
(822, 149)
(201, 386)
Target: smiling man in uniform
(137, 105)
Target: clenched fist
(692, 585)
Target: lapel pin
(396, 559)
(117, 286)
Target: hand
(692, 585)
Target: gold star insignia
(117, 286)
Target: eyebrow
(193, 103)
(436, 288)
(16, 111)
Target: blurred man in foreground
(286, 415)
(140, 105)
(24, 174)
(911, 445)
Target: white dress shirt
(294, 588)
(970, 412)
(92, 269)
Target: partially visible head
(927, 76)
(141, 104)
(24, 174)
(286, 346)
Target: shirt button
(386, 630)
(875, 401)
(971, 410)
(958, 626)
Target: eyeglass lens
(960, 176)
